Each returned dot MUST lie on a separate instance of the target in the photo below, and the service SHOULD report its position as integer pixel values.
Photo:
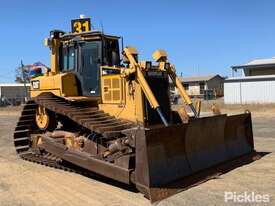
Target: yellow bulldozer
(100, 110)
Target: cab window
(111, 54)
(69, 57)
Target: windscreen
(89, 68)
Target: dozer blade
(170, 159)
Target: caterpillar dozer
(103, 111)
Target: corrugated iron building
(257, 85)
(247, 90)
(13, 93)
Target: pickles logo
(246, 197)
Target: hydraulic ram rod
(145, 87)
(150, 96)
(182, 91)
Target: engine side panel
(63, 85)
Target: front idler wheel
(45, 119)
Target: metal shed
(257, 67)
(13, 93)
(250, 89)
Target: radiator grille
(112, 89)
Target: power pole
(24, 82)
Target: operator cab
(83, 53)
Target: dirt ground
(27, 184)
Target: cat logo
(35, 84)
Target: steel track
(87, 117)
(22, 141)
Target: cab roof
(92, 34)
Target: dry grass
(206, 104)
(255, 109)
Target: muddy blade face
(170, 159)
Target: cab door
(90, 60)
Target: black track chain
(22, 143)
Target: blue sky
(201, 37)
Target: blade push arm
(161, 57)
(182, 92)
